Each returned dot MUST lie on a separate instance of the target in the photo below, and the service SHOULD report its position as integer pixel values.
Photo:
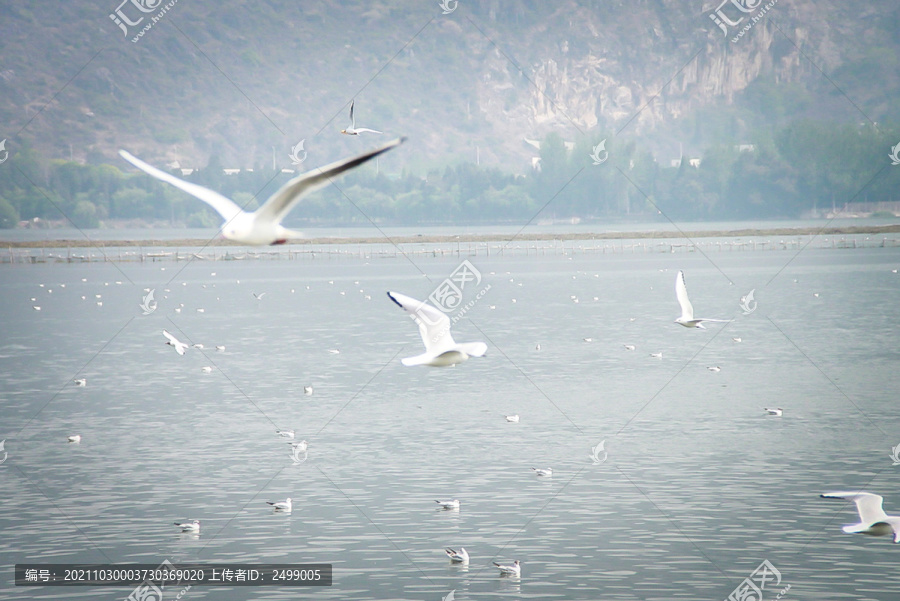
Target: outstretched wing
(867, 504)
(366, 129)
(434, 326)
(280, 203)
(687, 310)
(352, 118)
(223, 206)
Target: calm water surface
(699, 486)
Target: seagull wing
(171, 338)
(366, 129)
(280, 203)
(687, 310)
(223, 206)
(352, 118)
(867, 504)
(434, 326)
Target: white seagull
(285, 433)
(75, 438)
(540, 472)
(353, 130)
(687, 318)
(454, 504)
(457, 557)
(629, 347)
(300, 447)
(263, 226)
(281, 505)
(81, 382)
(434, 327)
(179, 346)
(714, 368)
(307, 390)
(191, 526)
(777, 411)
(513, 418)
(872, 518)
(206, 369)
(514, 570)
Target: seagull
(207, 369)
(514, 570)
(547, 472)
(334, 351)
(353, 130)
(873, 520)
(454, 504)
(263, 226)
(174, 342)
(537, 347)
(307, 390)
(687, 318)
(281, 505)
(460, 557)
(285, 433)
(75, 438)
(81, 382)
(220, 348)
(434, 327)
(258, 296)
(198, 346)
(513, 418)
(300, 447)
(588, 339)
(777, 411)
(714, 368)
(656, 355)
(629, 347)
(192, 526)
(736, 339)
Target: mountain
(246, 82)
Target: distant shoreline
(217, 242)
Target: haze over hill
(238, 86)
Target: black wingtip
(391, 296)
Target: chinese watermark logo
(751, 589)
(298, 449)
(148, 589)
(595, 154)
(895, 151)
(744, 9)
(598, 453)
(895, 454)
(748, 305)
(449, 294)
(448, 6)
(148, 304)
(296, 159)
(6, 152)
(139, 10)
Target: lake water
(698, 488)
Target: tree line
(805, 167)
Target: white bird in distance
(434, 327)
(872, 518)
(178, 345)
(687, 318)
(263, 226)
(352, 130)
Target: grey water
(697, 488)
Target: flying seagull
(353, 130)
(687, 318)
(263, 226)
(174, 342)
(872, 518)
(434, 327)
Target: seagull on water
(263, 226)
(207, 369)
(656, 355)
(285, 433)
(179, 346)
(872, 518)
(714, 368)
(513, 418)
(514, 570)
(307, 390)
(75, 438)
(353, 130)
(191, 526)
(776, 411)
(299, 447)
(629, 347)
(457, 557)
(81, 382)
(281, 505)
(454, 504)
(687, 318)
(434, 327)
(541, 472)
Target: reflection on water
(698, 488)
